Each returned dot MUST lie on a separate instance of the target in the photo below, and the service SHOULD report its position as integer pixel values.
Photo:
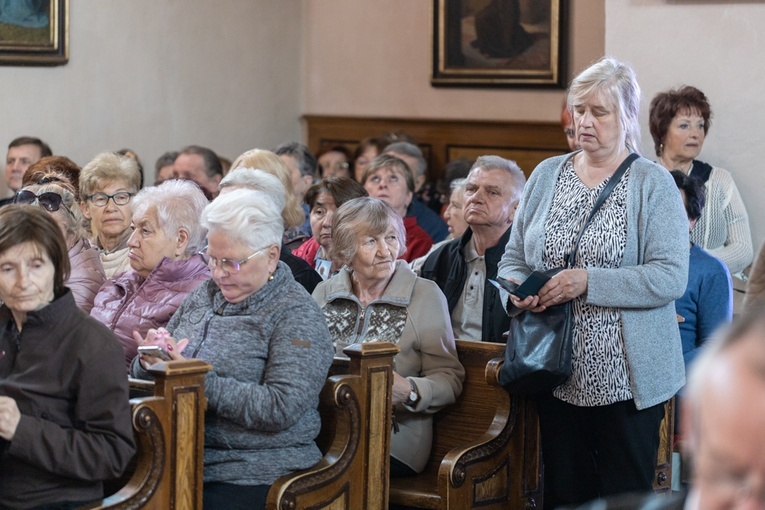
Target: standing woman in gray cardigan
(600, 428)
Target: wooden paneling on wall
(528, 143)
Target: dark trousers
(591, 452)
(227, 496)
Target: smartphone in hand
(155, 351)
(530, 287)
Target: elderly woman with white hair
(272, 185)
(630, 265)
(107, 184)
(52, 190)
(269, 347)
(165, 264)
(377, 298)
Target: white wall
(370, 58)
(155, 75)
(713, 45)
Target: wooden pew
(662, 482)
(169, 428)
(355, 438)
(485, 446)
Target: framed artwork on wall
(34, 32)
(499, 43)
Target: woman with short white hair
(270, 183)
(269, 347)
(165, 266)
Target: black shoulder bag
(539, 345)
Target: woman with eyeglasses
(107, 184)
(165, 264)
(52, 191)
(269, 347)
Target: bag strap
(612, 182)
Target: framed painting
(34, 32)
(499, 43)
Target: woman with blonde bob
(51, 190)
(164, 260)
(377, 298)
(631, 264)
(107, 185)
(269, 348)
(273, 186)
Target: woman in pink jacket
(164, 256)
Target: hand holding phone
(154, 351)
(530, 287)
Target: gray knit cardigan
(653, 272)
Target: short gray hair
(252, 178)
(411, 150)
(618, 83)
(179, 206)
(457, 184)
(109, 167)
(367, 216)
(508, 165)
(245, 215)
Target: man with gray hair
(23, 152)
(462, 267)
(428, 220)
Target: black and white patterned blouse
(600, 373)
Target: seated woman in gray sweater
(269, 347)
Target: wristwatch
(414, 396)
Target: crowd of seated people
(270, 265)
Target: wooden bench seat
(356, 408)
(485, 446)
(169, 428)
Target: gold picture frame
(34, 33)
(499, 43)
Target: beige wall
(717, 47)
(375, 59)
(157, 75)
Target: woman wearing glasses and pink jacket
(269, 347)
(165, 265)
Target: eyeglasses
(339, 165)
(101, 199)
(52, 202)
(226, 265)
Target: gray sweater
(270, 355)
(652, 275)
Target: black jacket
(447, 267)
(66, 372)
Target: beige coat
(412, 313)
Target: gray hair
(74, 222)
(306, 161)
(457, 184)
(248, 216)
(362, 216)
(179, 206)
(510, 166)
(164, 160)
(108, 167)
(255, 179)
(618, 84)
(411, 150)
